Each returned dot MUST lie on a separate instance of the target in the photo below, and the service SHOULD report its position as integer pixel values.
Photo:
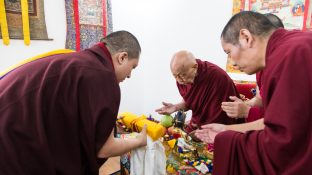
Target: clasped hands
(236, 109)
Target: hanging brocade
(87, 22)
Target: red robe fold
(211, 87)
(285, 144)
(57, 112)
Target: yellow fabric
(25, 18)
(60, 51)
(4, 24)
(172, 143)
(154, 130)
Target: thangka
(16, 11)
(87, 22)
(293, 13)
(238, 6)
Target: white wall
(162, 27)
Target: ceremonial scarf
(4, 24)
(55, 52)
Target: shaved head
(181, 60)
(181, 64)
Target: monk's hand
(142, 136)
(235, 109)
(209, 132)
(167, 109)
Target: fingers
(166, 104)
(226, 107)
(208, 126)
(120, 117)
(233, 98)
(144, 127)
(159, 110)
(162, 112)
(144, 130)
(204, 137)
(232, 115)
(224, 104)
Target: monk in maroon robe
(203, 86)
(251, 109)
(283, 146)
(58, 112)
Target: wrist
(176, 107)
(248, 103)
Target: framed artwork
(295, 14)
(37, 25)
(291, 12)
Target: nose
(129, 75)
(178, 78)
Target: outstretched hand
(167, 109)
(209, 132)
(235, 109)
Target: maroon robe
(284, 146)
(211, 87)
(57, 112)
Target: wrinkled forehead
(178, 68)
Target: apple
(166, 121)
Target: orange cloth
(136, 123)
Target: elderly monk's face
(185, 74)
(246, 59)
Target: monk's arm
(116, 146)
(180, 106)
(244, 127)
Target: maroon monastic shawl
(57, 112)
(285, 144)
(211, 87)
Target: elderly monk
(283, 145)
(203, 86)
(58, 112)
(251, 109)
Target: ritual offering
(185, 154)
(179, 119)
(136, 123)
(166, 121)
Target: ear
(122, 57)
(245, 38)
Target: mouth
(181, 82)
(241, 69)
